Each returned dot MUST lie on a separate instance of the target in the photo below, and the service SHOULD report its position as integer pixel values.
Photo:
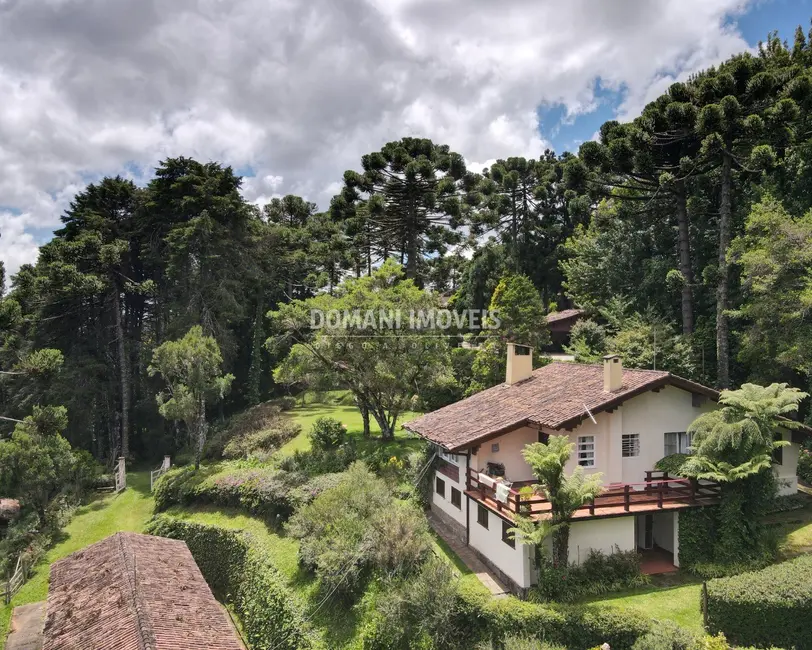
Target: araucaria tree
(736, 446)
(565, 493)
(191, 368)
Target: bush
(356, 528)
(672, 464)
(319, 461)
(768, 607)
(575, 627)
(240, 573)
(261, 490)
(788, 503)
(327, 434)
(665, 636)
(260, 429)
(598, 574)
(805, 466)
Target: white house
(621, 421)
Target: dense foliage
(694, 216)
(763, 608)
(238, 572)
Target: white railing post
(121, 475)
(154, 475)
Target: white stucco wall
(510, 454)
(602, 535)
(787, 471)
(664, 530)
(516, 563)
(444, 504)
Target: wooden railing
(155, 474)
(653, 491)
(121, 475)
(17, 580)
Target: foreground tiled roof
(564, 315)
(134, 592)
(555, 396)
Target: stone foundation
(452, 526)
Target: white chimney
(519, 363)
(612, 373)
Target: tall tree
(411, 193)
(191, 368)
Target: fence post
(705, 604)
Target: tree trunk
(201, 432)
(685, 259)
(722, 335)
(365, 418)
(387, 430)
(561, 546)
(411, 257)
(124, 372)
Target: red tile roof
(134, 592)
(566, 314)
(555, 396)
(9, 508)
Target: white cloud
(298, 91)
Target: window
(586, 451)
(456, 498)
(630, 445)
(482, 515)
(507, 538)
(677, 442)
(440, 487)
(495, 447)
(454, 459)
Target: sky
(292, 93)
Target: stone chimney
(612, 373)
(519, 363)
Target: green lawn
(108, 514)
(335, 406)
(675, 603)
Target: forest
(685, 234)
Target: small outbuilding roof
(9, 509)
(555, 396)
(566, 314)
(134, 592)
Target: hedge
(576, 627)
(260, 490)
(238, 572)
(763, 608)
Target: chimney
(612, 373)
(519, 363)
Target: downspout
(467, 501)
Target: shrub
(788, 503)
(575, 627)
(598, 574)
(805, 466)
(666, 636)
(319, 461)
(768, 607)
(261, 490)
(416, 612)
(239, 572)
(355, 528)
(257, 430)
(520, 643)
(327, 434)
(672, 464)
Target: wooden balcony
(658, 492)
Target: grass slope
(104, 516)
(335, 406)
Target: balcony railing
(661, 491)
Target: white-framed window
(630, 445)
(677, 442)
(586, 451)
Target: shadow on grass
(660, 584)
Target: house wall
(651, 415)
(514, 563)
(444, 505)
(509, 454)
(602, 535)
(787, 471)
